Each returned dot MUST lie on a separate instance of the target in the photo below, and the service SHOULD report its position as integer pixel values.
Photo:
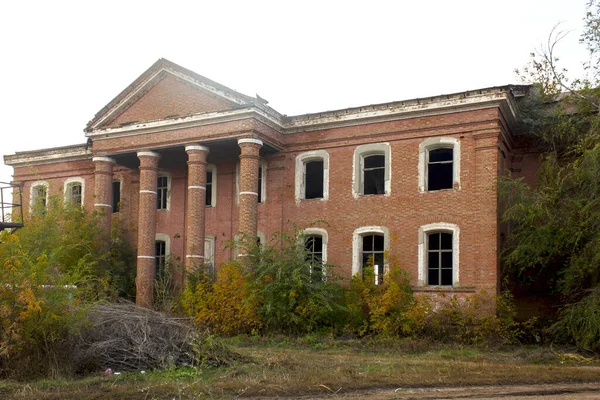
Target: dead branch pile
(123, 336)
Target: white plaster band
(197, 187)
(147, 154)
(147, 257)
(104, 159)
(102, 205)
(197, 147)
(242, 255)
(148, 191)
(255, 141)
(252, 193)
(193, 256)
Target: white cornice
(468, 101)
(48, 156)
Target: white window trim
(325, 237)
(436, 143)
(357, 245)
(422, 252)
(33, 186)
(165, 238)
(66, 187)
(366, 150)
(168, 175)
(301, 161)
(211, 239)
(263, 187)
(213, 197)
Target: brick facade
(164, 125)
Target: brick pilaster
(103, 190)
(146, 258)
(248, 218)
(196, 200)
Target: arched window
(439, 254)
(439, 164)
(369, 246)
(372, 170)
(312, 175)
(74, 190)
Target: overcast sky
(62, 61)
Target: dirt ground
(583, 391)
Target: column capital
(196, 146)
(104, 159)
(147, 153)
(248, 140)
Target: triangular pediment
(166, 91)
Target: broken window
(439, 259)
(372, 254)
(161, 258)
(39, 196)
(313, 179)
(73, 193)
(314, 255)
(440, 173)
(116, 196)
(209, 188)
(260, 183)
(373, 174)
(162, 190)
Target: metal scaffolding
(11, 211)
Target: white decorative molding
(356, 244)
(197, 147)
(253, 141)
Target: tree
(554, 242)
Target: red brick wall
(167, 98)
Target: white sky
(62, 61)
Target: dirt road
(581, 391)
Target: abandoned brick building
(186, 165)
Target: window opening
(161, 192)
(374, 174)
(314, 255)
(39, 196)
(260, 183)
(373, 252)
(74, 192)
(440, 174)
(161, 258)
(313, 179)
(209, 188)
(116, 196)
(439, 259)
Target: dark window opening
(161, 193)
(116, 196)
(373, 255)
(161, 258)
(440, 169)
(439, 259)
(74, 191)
(260, 183)
(39, 195)
(314, 256)
(313, 179)
(374, 174)
(209, 184)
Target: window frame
(360, 153)
(300, 173)
(213, 190)
(162, 237)
(209, 262)
(433, 144)
(313, 232)
(357, 240)
(69, 183)
(168, 191)
(116, 206)
(32, 198)
(423, 267)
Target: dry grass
(293, 370)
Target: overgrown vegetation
(554, 244)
